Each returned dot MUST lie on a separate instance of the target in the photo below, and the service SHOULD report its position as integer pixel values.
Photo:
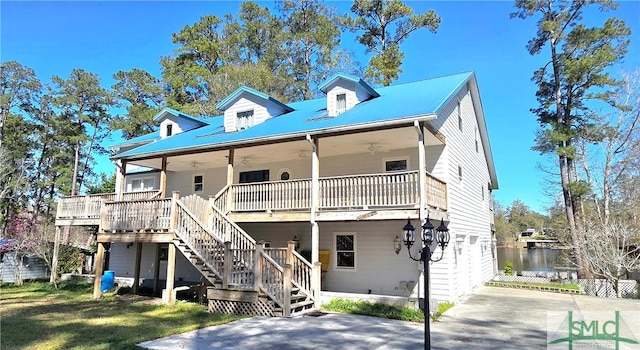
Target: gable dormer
(247, 107)
(173, 122)
(344, 92)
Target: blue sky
(55, 37)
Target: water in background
(541, 259)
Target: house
(16, 265)
(277, 207)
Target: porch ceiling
(359, 143)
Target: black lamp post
(441, 240)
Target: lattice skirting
(262, 308)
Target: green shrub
(374, 309)
(70, 259)
(508, 268)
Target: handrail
(203, 243)
(272, 282)
(221, 199)
(302, 270)
(230, 231)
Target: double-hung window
(198, 183)
(341, 103)
(244, 120)
(345, 246)
(144, 184)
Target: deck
(352, 197)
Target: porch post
(171, 272)
(226, 267)
(136, 272)
(230, 162)
(123, 183)
(97, 281)
(422, 171)
(156, 270)
(163, 178)
(56, 253)
(315, 198)
(257, 272)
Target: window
(341, 103)
(345, 244)
(254, 176)
(284, 176)
(395, 165)
(244, 120)
(460, 172)
(198, 183)
(144, 184)
(482, 189)
(169, 130)
(477, 146)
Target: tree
(85, 104)
(18, 84)
(576, 73)
(142, 95)
(386, 24)
(612, 251)
(505, 232)
(311, 36)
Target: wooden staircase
(243, 277)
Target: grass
(37, 316)
(572, 286)
(394, 312)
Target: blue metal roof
(359, 81)
(178, 114)
(396, 103)
(138, 140)
(224, 104)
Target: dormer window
(169, 130)
(244, 120)
(341, 103)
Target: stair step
(298, 297)
(301, 304)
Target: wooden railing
(135, 215)
(241, 268)
(82, 206)
(204, 243)
(279, 255)
(380, 190)
(301, 274)
(397, 189)
(272, 279)
(229, 231)
(276, 195)
(88, 207)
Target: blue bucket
(107, 281)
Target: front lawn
(37, 316)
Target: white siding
(214, 179)
(342, 87)
(468, 266)
(131, 177)
(378, 271)
(178, 125)
(246, 102)
(122, 262)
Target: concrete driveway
(490, 318)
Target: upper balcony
(340, 197)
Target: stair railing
(204, 243)
(301, 274)
(228, 230)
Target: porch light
(441, 238)
(397, 245)
(297, 241)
